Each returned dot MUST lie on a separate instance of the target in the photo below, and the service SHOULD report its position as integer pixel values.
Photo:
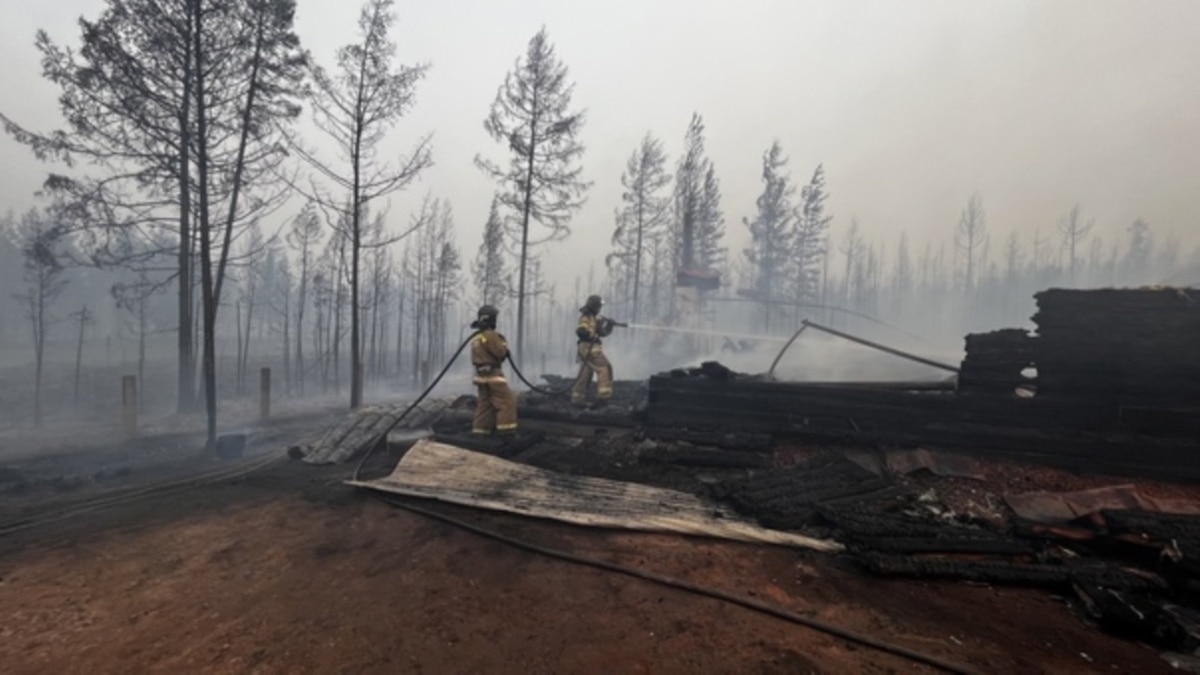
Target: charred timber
(1079, 435)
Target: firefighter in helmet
(592, 327)
(496, 409)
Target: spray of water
(710, 333)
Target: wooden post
(264, 394)
(543, 363)
(129, 405)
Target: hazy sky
(910, 105)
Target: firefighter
(592, 327)
(496, 410)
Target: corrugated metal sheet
(450, 474)
(364, 427)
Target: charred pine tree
(699, 224)
(356, 106)
(1073, 231)
(84, 319)
(969, 237)
(126, 96)
(176, 105)
(252, 272)
(642, 217)
(490, 269)
(902, 275)
(810, 250)
(771, 231)
(854, 250)
(532, 118)
(304, 237)
(39, 243)
(1138, 251)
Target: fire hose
(690, 587)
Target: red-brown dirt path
(287, 574)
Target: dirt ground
(288, 571)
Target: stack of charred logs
(995, 363)
(1122, 345)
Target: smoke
(812, 357)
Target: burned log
(788, 499)
(1081, 435)
(686, 455)
(1003, 572)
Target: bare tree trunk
(339, 306)
(528, 183)
(300, 305)
(241, 381)
(249, 331)
(400, 330)
(186, 393)
(208, 293)
(37, 382)
(319, 346)
(287, 341)
(141, 381)
(83, 321)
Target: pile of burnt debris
(1134, 572)
(1126, 566)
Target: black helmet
(487, 317)
(593, 304)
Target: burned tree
(699, 223)
(303, 238)
(771, 230)
(432, 268)
(246, 76)
(969, 236)
(902, 275)
(127, 108)
(710, 225)
(489, 270)
(178, 107)
(1137, 256)
(809, 240)
(39, 243)
(854, 250)
(1073, 231)
(532, 117)
(356, 107)
(252, 273)
(84, 319)
(642, 217)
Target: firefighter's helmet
(593, 304)
(486, 317)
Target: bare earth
(290, 572)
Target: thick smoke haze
(911, 107)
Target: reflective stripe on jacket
(488, 351)
(586, 331)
